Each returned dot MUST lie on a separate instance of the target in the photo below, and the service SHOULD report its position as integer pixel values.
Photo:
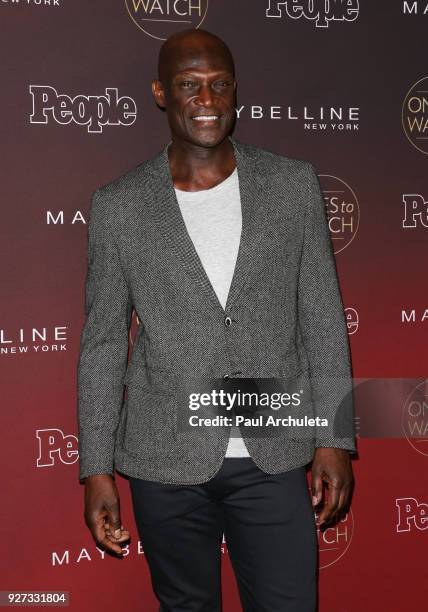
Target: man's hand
(102, 512)
(332, 466)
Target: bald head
(192, 43)
(196, 78)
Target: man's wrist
(99, 475)
(335, 448)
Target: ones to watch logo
(161, 18)
(343, 211)
(414, 418)
(334, 541)
(414, 115)
(93, 111)
(321, 12)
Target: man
(223, 250)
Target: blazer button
(228, 321)
(227, 376)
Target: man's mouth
(206, 118)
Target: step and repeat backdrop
(340, 83)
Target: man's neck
(195, 168)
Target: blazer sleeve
(103, 346)
(323, 326)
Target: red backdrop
(340, 84)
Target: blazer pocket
(294, 362)
(158, 381)
(151, 419)
(151, 423)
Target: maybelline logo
(160, 18)
(33, 340)
(92, 111)
(55, 445)
(321, 118)
(411, 514)
(413, 316)
(415, 8)
(415, 210)
(79, 556)
(321, 12)
(57, 218)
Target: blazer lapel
(252, 180)
(166, 211)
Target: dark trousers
(270, 532)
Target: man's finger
(109, 528)
(107, 543)
(114, 522)
(316, 489)
(96, 527)
(331, 505)
(125, 535)
(343, 502)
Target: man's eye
(222, 84)
(187, 83)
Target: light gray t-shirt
(213, 219)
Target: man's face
(198, 93)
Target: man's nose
(205, 95)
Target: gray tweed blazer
(284, 318)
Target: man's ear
(158, 93)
